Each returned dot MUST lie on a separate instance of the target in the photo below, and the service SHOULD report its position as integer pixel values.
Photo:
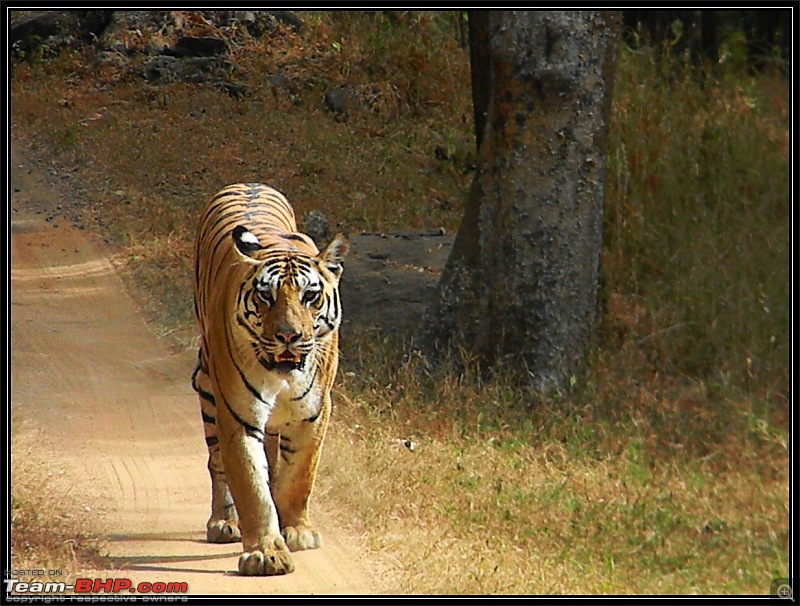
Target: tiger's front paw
(223, 531)
(272, 559)
(299, 538)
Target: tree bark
(519, 288)
(480, 70)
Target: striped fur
(267, 304)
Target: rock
(43, 31)
(260, 23)
(136, 32)
(288, 18)
(244, 17)
(49, 31)
(341, 102)
(197, 46)
(163, 69)
(389, 280)
(280, 86)
(113, 58)
(257, 22)
(95, 22)
(235, 90)
(315, 225)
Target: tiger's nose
(287, 337)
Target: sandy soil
(116, 412)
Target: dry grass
(468, 517)
(506, 492)
(663, 470)
(48, 523)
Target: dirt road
(115, 411)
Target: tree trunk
(480, 70)
(519, 288)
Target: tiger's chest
(289, 410)
(290, 397)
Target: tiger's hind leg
(223, 525)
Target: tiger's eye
(310, 296)
(265, 297)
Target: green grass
(663, 469)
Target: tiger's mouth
(286, 361)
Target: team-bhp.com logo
(93, 586)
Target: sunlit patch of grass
(621, 485)
(476, 487)
(467, 513)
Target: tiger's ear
(246, 243)
(334, 253)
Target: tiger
(268, 309)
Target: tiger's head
(289, 304)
